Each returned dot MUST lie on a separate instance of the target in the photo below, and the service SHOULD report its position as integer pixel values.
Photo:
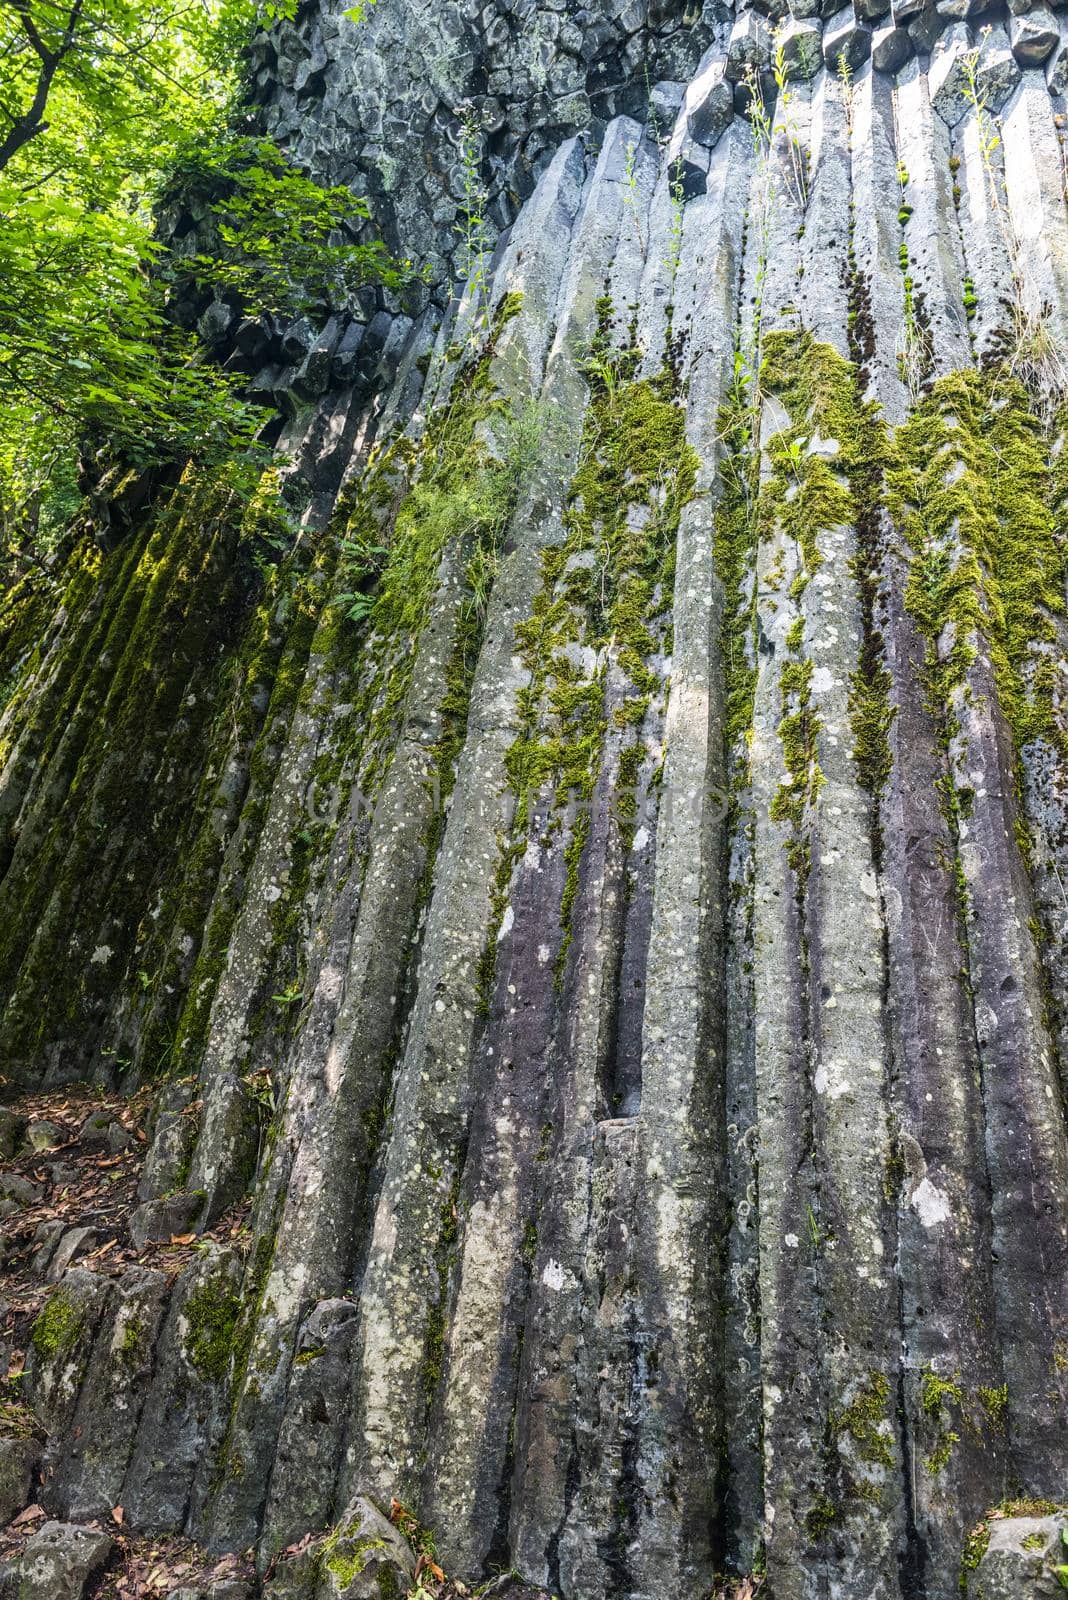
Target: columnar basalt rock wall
(622, 955)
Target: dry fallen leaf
(117, 1515)
(31, 1514)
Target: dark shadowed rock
(19, 1459)
(1033, 36)
(162, 1219)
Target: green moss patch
(606, 590)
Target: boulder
(215, 323)
(297, 339)
(801, 41)
(163, 1218)
(665, 98)
(1033, 37)
(363, 1553)
(313, 375)
(293, 1577)
(60, 1562)
(225, 1154)
(947, 77)
(1022, 1559)
(74, 1242)
(1057, 68)
(119, 1138)
(18, 1462)
(959, 10)
(872, 10)
(846, 39)
(94, 1130)
(805, 9)
(925, 28)
(45, 1135)
(86, 1462)
(60, 1342)
(709, 105)
(890, 48)
(19, 1190)
(181, 1421)
(173, 1131)
(311, 1438)
(749, 46)
(12, 1129)
(997, 72)
(347, 352)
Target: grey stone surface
(846, 39)
(890, 47)
(19, 1190)
(709, 105)
(925, 28)
(1033, 36)
(60, 1562)
(311, 1439)
(533, 1238)
(86, 1462)
(801, 41)
(19, 1459)
(12, 1130)
(872, 11)
(1021, 1559)
(1057, 66)
(664, 101)
(163, 1218)
(60, 1344)
(42, 1134)
(947, 75)
(749, 46)
(997, 72)
(183, 1402)
(365, 1556)
(94, 1130)
(74, 1242)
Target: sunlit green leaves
(107, 109)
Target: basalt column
(591, 913)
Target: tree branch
(32, 121)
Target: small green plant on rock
(473, 227)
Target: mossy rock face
(366, 1557)
(60, 1341)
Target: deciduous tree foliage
(105, 107)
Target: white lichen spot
(930, 1203)
(553, 1275)
(101, 954)
(507, 924)
(272, 893)
(791, 1241)
(641, 839)
(822, 679)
